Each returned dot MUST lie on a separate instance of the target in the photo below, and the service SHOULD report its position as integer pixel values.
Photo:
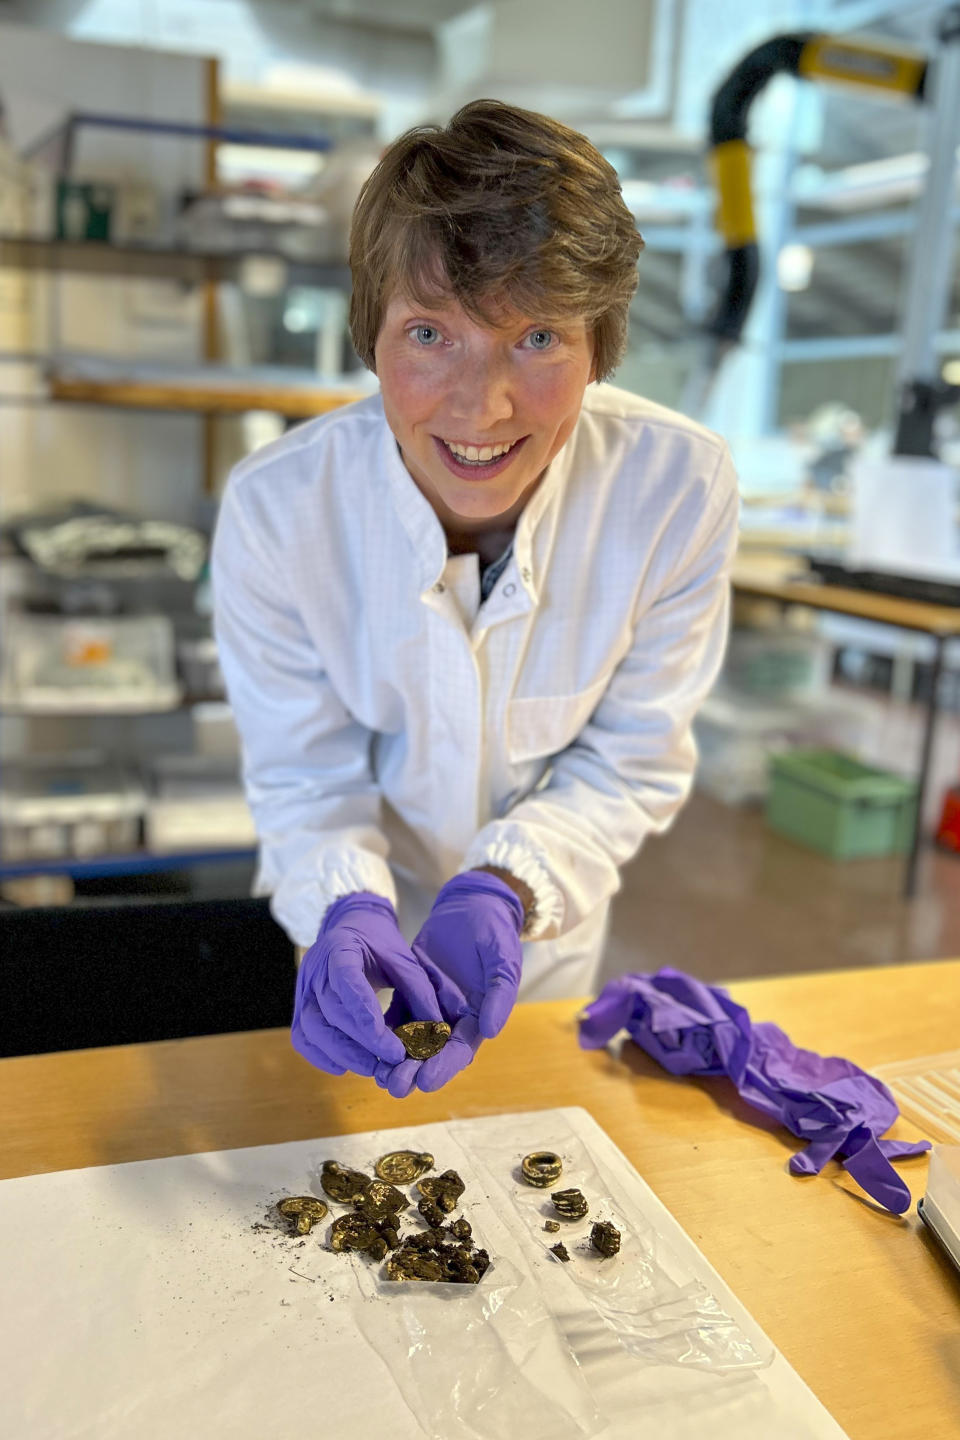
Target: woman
(465, 623)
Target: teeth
(478, 454)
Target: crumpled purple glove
(469, 946)
(338, 1023)
(696, 1029)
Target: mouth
(473, 462)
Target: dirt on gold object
(410, 1264)
(570, 1204)
(431, 1212)
(303, 1211)
(541, 1168)
(343, 1184)
(423, 1038)
(381, 1201)
(353, 1232)
(605, 1238)
(445, 1190)
(439, 1260)
(552, 1225)
(402, 1167)
(560, 1250)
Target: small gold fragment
(541, 1168)
(343, 1184)
(409, 1264)
(560, 1250)
(402, 1167)
(303, 1210)
(605, 1238)
(552, 1225)
(353, 1232)
(570, 1204)
(423, 1038)
(431, 1212)
(381, 1201)
(445, 1190)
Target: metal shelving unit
(206, 390)
(137, 862)
(156, 262)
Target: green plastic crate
(833, 804)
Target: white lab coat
(396, 731)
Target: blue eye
(426, 334)
(540, 339)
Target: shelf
(91, 257)
(295, 402)
(137, 862)
(47, 712)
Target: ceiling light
(794, 267)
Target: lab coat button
(439, 587)
(509, 589)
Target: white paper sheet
(138, 1300)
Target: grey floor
(721, 896)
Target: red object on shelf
(948, 831)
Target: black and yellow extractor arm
(808, 57)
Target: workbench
(862, 1303)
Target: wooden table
(774, 577)
(861, 1302)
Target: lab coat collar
(426, 534)
(415, 512)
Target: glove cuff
(358, 900)
(478, 882)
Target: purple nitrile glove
(469, 946)
(338, 1023)
(696, 1029)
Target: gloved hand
(338, 1023)
(470, 947)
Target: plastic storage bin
(832, 803)
(107, 664)
(776, 664)
(72, 806)
(737, 734)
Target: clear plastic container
(71, 806)
(199, 666)
(776, 664)
(82, 665)
(737, 734)
(197, 803)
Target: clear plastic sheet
(191, 1314)
(657, 1310)
(482, 1361)
(502, 1358)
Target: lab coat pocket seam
(543, 725)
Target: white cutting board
(139, 1301)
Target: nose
(482, 396)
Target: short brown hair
(499, 206)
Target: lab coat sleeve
(306, 760)
(631, 767)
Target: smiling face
(479, 410)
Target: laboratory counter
(861, 1302)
